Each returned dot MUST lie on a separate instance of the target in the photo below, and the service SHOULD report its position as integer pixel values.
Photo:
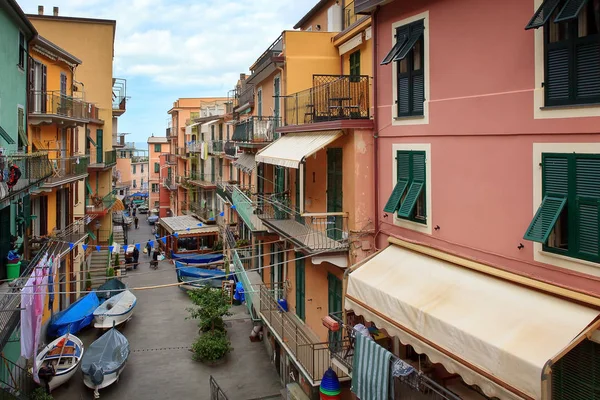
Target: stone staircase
(98, 265)
(118, 235)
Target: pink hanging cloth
(28, 319)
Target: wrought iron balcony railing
(170, 183)
(246, 208)
(215, 147)
(204, 180)
(256, 130)
(33, 168)
(67, 169)
(231, 149)
(332, 98)
(171, 159)
(246, 96)
(313, 357)
(311, 232)
(55, 103)
(98, 205)
(119, 96)
(100, 159)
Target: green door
(355, 66)
(300, 287)
(334, 193)
(279, 195)
(99, 152)
(335, 307)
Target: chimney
(40, 10)
(55, 11)
(242, 76)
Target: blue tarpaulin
(79, 315)
(197, 258)
(139, 194)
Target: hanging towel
(370, 370)
(28, 319)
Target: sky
(167, 49)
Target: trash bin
(13, 271)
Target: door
(99, 146)
(335, 307)
(43, 215)
(276, 98)
(300, 287)
(334, 193)
(64, 106)
(355, 66)
(39, 87)
(279, 192)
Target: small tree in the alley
(211, 306)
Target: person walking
(46, 373)
(149, 249)
(136, 221)
(134, 211)
(154, 262)
(136, 257)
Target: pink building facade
(487, 201)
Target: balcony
(225, 190)
(170, 159)
(53, 107)
(102, 160)
(246, 209)
(251, 280)
(231, 149)
(170, 183)
(34, 168)
(265, 66)
(245, 98)
(206, 181)
(366, 6)
(65, 170)
(312, 357)
(314, 232)
(75, 232)
(215, 147)
(332, 98)
(99, 206)
(256, 131)
(181, 152)
(119, 92)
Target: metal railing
(350, 16)
(33, 167)
(231, 149)
(64, 168)
(76, 231)
(256, 129)
(242, 276)
(110, 158)
(170, 183)
(181, 152)
(168, 132)
(55, 103)
(314, 358)
(104, 159)
(215, 147)
(99, 205)
(265, 58)
(119, 95)
(247, 95)
(332, 98)
(311, 231)
(196, 178)
(216, 393)
(170, 158)
(15, 380)
(246, 207)
(225, 190)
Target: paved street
(160, 365)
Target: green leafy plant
(211, 306)
(40, 394)
(110, 272)
(116, 262)
(241, 243)
(211, 346)
(217, 246)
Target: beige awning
(188, 129)
(290, 150)
(491, 332)
(246, 162)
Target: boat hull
(115, 311)
(108, 321)
(108, 380)
(61, 376)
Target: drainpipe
(376, 128)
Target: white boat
(105, 360)
(115, 311)
(65, 354)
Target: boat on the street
(196, 277)
(104, 360)
(76, 317)
(115, 311)
(65, 355)
(110, 288)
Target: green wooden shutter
(555, 175)
(300, 287)
(394, 201)
(587, 190)
(545, 218)
(212, 169)
(134, 167)
(542, 14)
(27, 209)
(417, 184)
(335, 201)
(334, 300)
(414, 191)
(157, 148)
(576, 376)
(403, 175)
(156, 167)
(355, 66)
(99, 150)
(88, 187)
(570, 10)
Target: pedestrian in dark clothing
(154, 262)
(149, 249)
(134, 211)
(136, 221)
(136, 257)
(46, 373)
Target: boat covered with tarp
(195, 277)
(111, 288)
(197, 258)
(104, 360)
(76, 317)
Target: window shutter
(418, 93)
(156, 167)
(88, 187)
(31, 83)
(557, 75)
(401, 39)
(545, 218)
(587, 189)
(570, 10)
(555, 175)
(27, 209)
(416, 31)
(542, 14)
(587, 225)
(410, 200)
(587, 71)
(44, 88)
(587, 172)
(418, 164)
(403, 95)
(394, 201)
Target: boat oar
(64, 345)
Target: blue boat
(194, 277)
(197, 258)
(73, 319)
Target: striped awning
(291, 150)
(246, 162)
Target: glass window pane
(417, 50)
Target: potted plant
(110, 272)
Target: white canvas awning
(290, 150)
(188, 129)
(493, 333)
(246, 162)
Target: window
(212, 132)
(157, 148)
(220, 168)
(156, 204)
(156, 167)
(408, 198)
(571, 50)
(142, 165)
(300, 287)
(408, 54)
(575, 373)
(259, 102)
(155, 188)
(567, 221)
(21, 127)
(221, 132)
(22, 50)
(355, 66)
(134, 183)
(142, 183)
(133, 168)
